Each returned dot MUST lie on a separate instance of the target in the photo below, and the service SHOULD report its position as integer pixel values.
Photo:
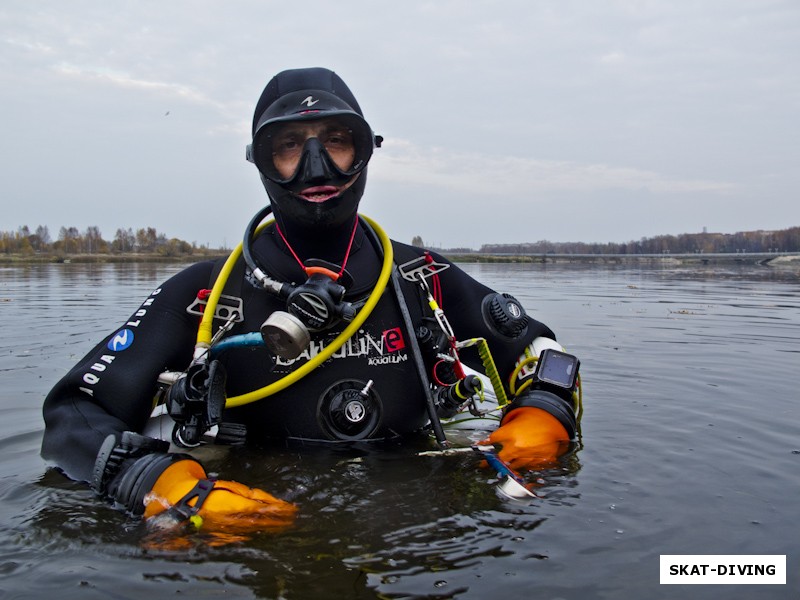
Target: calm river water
(691, 445)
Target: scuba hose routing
(205, 334)
(207, 344)
(443, 403)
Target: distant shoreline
(786, 259)
(12, 259)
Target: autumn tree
(124, 240)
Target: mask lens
(278, 146)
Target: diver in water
(319, 329)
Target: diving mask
(334, 147)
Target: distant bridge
(687, 257)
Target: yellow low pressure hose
(204, 333)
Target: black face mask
(316, 168)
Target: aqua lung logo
(121, 341)
(388, 348)
(309, 102)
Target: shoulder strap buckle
(420, 268)
(229, 308)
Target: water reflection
(690, 446)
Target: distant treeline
(71, 241)
(786, 240)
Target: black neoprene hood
(301, 94)
(285, 92)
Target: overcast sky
(510, 121)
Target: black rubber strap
(182, 510)
(550, 403)
(114, 453)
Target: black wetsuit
(111, 389)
